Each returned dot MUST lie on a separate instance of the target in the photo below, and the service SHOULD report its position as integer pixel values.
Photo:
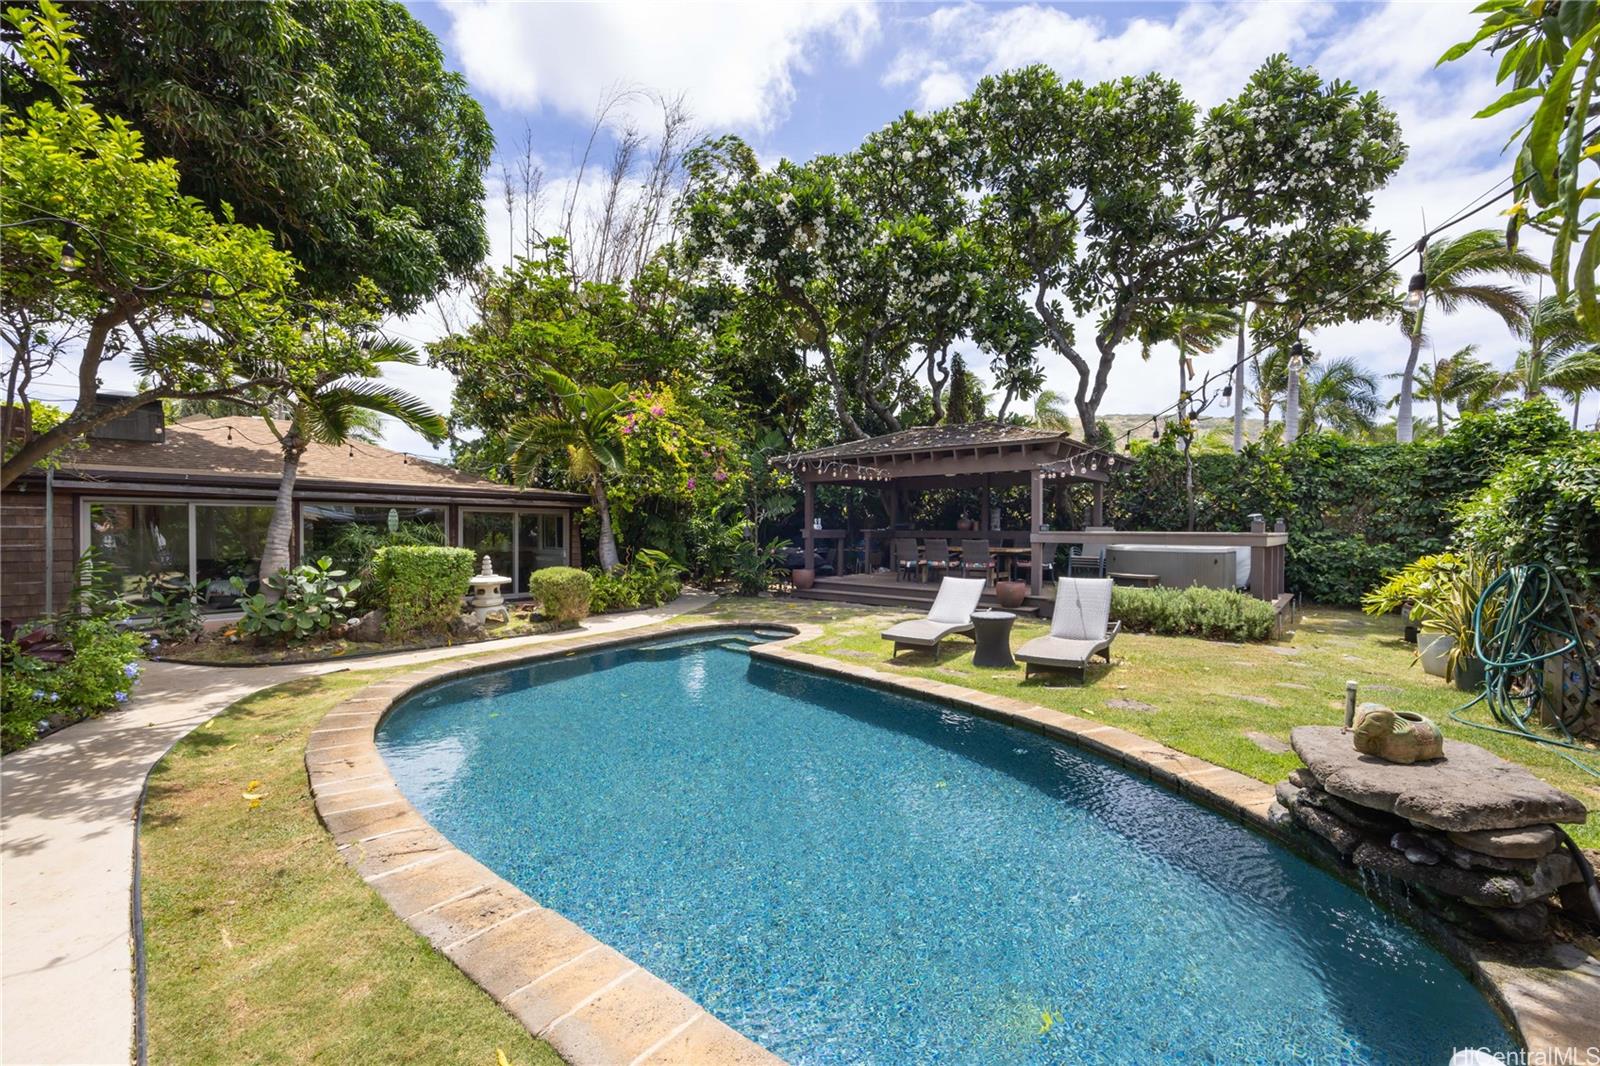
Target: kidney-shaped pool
(845, 875)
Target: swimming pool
(845, 875)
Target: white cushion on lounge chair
(1083, 607)
(923, 631)
(1059, 650)
(958, 598)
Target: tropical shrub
(1543, 509)
(172, 613)
(312, 600)
(355, 547)
(757, 566)
(563, 593)
(89, 667)
(1214, 614)
(1448, 605)
(1412, 584)
(650, 580)
(422, 587)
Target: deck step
(879, 597)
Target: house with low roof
(190, 502)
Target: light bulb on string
(69, 259)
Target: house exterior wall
(22, 552)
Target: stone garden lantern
(486, 598)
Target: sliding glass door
(170, 545)
(516, 542)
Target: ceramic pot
(1469, 674)
(803, 579)
(1434, 651)
(1010, 593)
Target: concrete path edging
(67, 838)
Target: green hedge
(421, 587)
(1355, 511)
(1214, 614)
(1541, 509)
(563, 593)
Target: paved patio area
(67, 839)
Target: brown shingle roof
(245, 448)
(931, 438)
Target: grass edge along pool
(845, 874)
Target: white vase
(1434, 651)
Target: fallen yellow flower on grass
(252, 795)
(500, 1058)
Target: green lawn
(1205, 696)
(263, 945)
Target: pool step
(882, 597)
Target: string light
(208, 303)
(69, 259)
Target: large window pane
(229, 542)
(490, 533)
(349, 534)
(142, 543)
(552, 540)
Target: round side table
(992, 632)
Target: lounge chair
(951, 613)
(1079, 630)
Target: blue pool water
(847, 876)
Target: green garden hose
(1513, 648)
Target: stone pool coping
(594, 1005)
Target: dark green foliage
(649, 581)
(355, 549)
(1541, 509)
(335, 126)
(756, 567)
(422, 586)
(98, 672)
(1355, 511)
(173, 613)
(563, 593)
(1212, 614)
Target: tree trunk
(1402, 421)
(1291, 405)
(275, 555)
(1438, 411)
(1238, 382)
(608, 539)
(1188, 482)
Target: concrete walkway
(67, 836)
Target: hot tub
(1180, 567)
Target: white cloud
(1210, 49)
(734, 62)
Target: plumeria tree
(1118, 200)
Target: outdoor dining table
(1011, 555)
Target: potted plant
(803, 578)
(1010, 593)
(1446, 614)
(1407, 591)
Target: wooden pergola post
(807, 530)
(1036, 525)
(983, 506)
(1099, 517)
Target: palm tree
(1195, 331)
(1339, 394)
(1552, 332)
(585, 423)
(1454, 268)
(1459, 379)
(335, 408)
(1269, 373)
(1574, 374)
(1050, 410)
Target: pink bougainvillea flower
(721, 475)
(690, 485)
(657, 410)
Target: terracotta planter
(1010, 593)
(966, 525)
(803, 579)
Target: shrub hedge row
(1355, 511)
(1213, 614)
(563, 593)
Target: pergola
(978, 455)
